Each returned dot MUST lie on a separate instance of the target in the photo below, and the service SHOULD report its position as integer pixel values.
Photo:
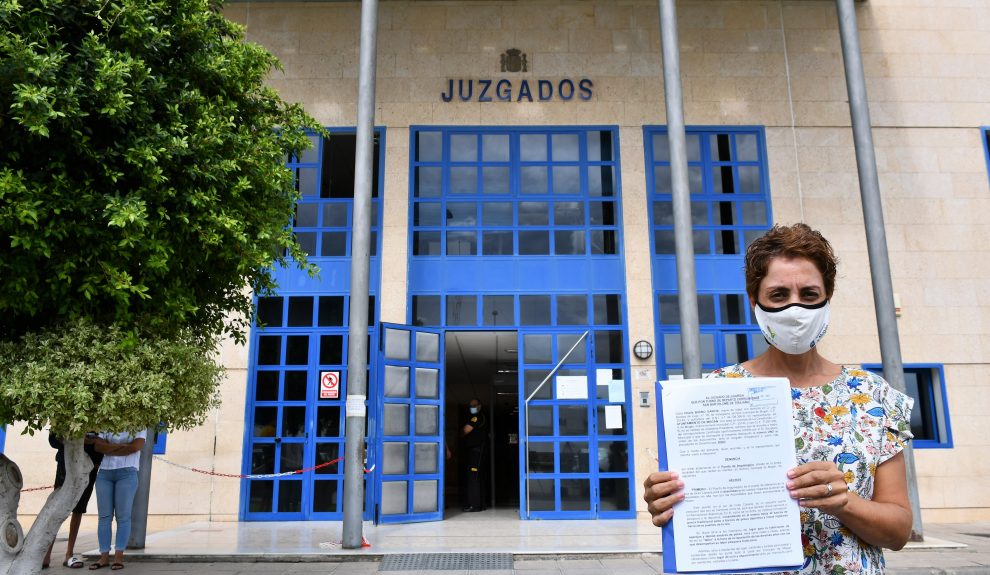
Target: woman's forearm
(877, 523)
(107, 448)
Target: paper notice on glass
(732, 442)
(617, 391)
(603, 376)
(613, 417)
(572, 387)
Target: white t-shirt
(122, 461)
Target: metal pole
(357, 363)
(687, 297)
(139, 511)
(876, 240)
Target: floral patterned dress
(858, 421)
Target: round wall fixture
(643, 349)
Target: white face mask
(793, 329)
(475, 410)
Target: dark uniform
(474, 445)
(95, 457)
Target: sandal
(73, 563)
(95, 566)
(116, 566)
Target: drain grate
(446, 562)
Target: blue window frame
(925, 382)
(501, 218)
(985, 132)
(300, 333)
(514, 192)
(3, 437)
(160, 441)
(730, 207)
(518, 228)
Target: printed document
(732, 442)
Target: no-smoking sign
(329, 384)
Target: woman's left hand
(819, 484)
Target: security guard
(475, 438)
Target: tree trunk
(20, 554)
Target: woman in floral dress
(849, 425)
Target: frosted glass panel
(427, 347)
(537, 348)
(396, 420)
(427, 420)
(427, 383)
(425, 459)
(425, 496)
(396, 381)
(396, 458)
(394, 497)
(396, 344)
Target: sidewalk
(499, 542)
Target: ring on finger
(828, 489)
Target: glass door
(409, 424)
(557, 424)
(575, 425)
(279, 429)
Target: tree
(85, 376)
(143, 189)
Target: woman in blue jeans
(116, 484)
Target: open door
(409, 425)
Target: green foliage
(84, 377)
(142, 178)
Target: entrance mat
(446, 561)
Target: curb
(363, 557)
(966, 570)
(253, 558)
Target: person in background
(79, 510)
(116, 485)
(850, 425)
(474, 437)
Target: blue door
(576, 427)
(408, 424)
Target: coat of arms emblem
(513, 60)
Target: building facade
(522, 219)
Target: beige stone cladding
(770, 63)
(178, 495)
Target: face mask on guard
(475, 410)
(793, 329)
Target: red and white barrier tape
(37, 488)
(257, 475)
(229, 475)
(337, 544)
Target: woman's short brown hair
(797, 241)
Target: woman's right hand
(662, 489)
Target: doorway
(483, 365)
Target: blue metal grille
(300, 334)
(730, 208)
(518, 228)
